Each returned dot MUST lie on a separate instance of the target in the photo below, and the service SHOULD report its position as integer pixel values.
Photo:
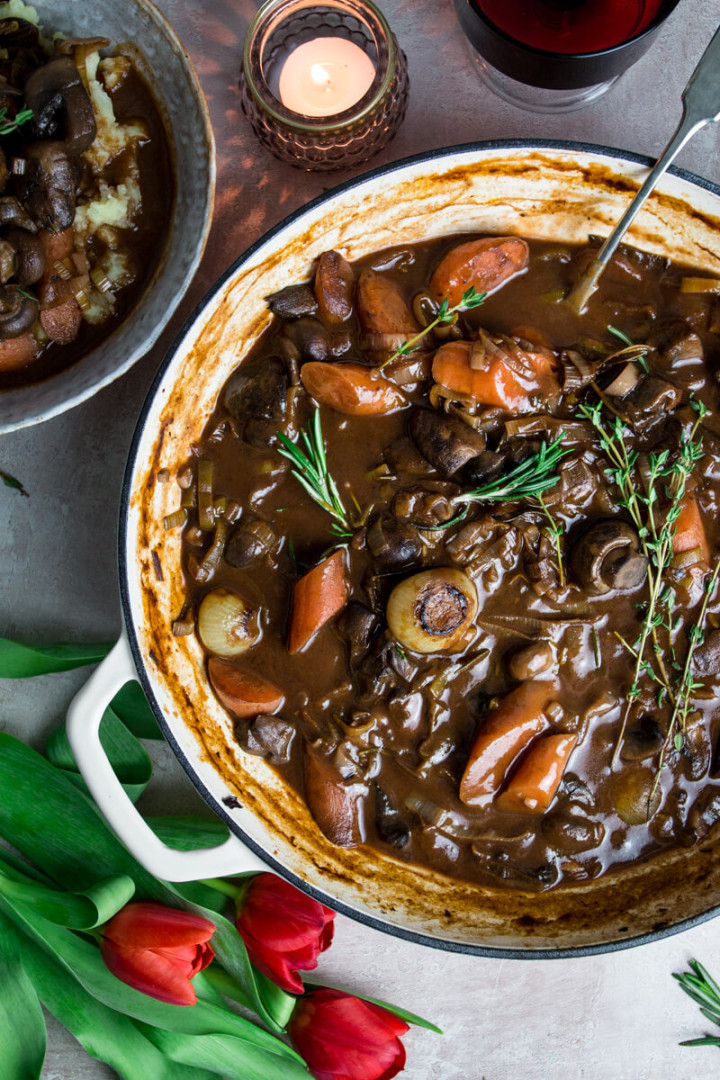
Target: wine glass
(555, 55)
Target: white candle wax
(325, 76)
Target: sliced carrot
(487, 264)
(18, 352)
(351, 388)
(317, 596)
(690, 532)
(334, 282)
(243, 692)
(333, 803)
(514, 387)
(502, 737)
(382, 306)
(532, 786)
(56, 245)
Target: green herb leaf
(25, 661)
(22, 1025)
(471, 298)
(8, 126)
(532, 477)
(311, 470)
(11, 482)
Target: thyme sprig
(699, 985)
(687, 684)
(471, 298)
(312, 472)
(7, 127)
(656, 532)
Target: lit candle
(325, 76)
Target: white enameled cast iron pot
(547, 190)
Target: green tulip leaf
(132, 707)
(227, 1056)
(24, 661)
(80, 911)
(22, 1026)
(189, 833)
(105, 1034)
(403, 1014)
(45, 831)
(128, 757)
(83, 961)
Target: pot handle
(83, 729)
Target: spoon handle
(701, 106)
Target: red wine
(571, 26)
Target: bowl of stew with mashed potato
(106, 148)
(421, 578)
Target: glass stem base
(536, 98)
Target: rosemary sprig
(699, 985)
(555, 530)
(471, 298)
(6, 128)
(528, 480)
(531, 478)
(311, 470)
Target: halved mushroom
(395, 544)
(17, 313)
(61, 105)
(47, 187)
(432, 611)
(29, 255)
(12, 212)
(446, 442)
(249, 543)
(607, 557)
(292, 302)
(257, 390)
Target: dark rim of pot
(374, 921)
(665, 11)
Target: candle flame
(320, 76)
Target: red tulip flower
(283, 929)
(344, 1038)
(157, 950)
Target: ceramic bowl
(163, 61)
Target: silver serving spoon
(701, 106)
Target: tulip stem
(226, 985)
(224, 887)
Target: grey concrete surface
(615, 1017)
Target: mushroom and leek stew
(86, 189)
(450, 549)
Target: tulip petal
(144, 925)
(153, 973)
(274, 910)
(343, 1038)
